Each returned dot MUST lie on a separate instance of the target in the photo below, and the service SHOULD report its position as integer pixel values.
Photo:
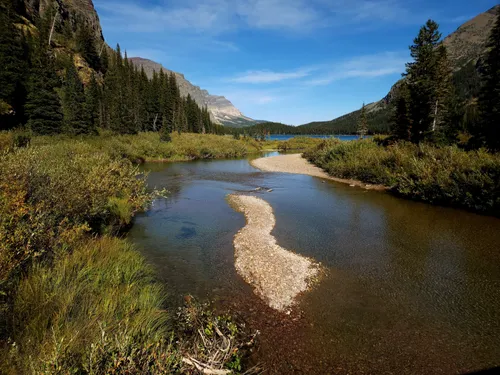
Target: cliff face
(72, 11)
(221, 109)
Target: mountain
(465, 47)
(221, 109)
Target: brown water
(410, 288)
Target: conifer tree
(43, 106)
(428, 81)
(12, 69)
(401, 122)
(76, 121)
(489, 99)
(92, 105)
(85, 44)
(363, 123)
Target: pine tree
(43, 106)
(12, 69)
(155, 105)
(104, 57)
(363, 123)
(92, 105)
(76, 120)
(85, 44)
(428, 81)
(489, 99)
(401, 122)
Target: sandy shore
(277, 275)
(295, 163)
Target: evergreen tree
(92, 105)
(104, 58)
(155, 105)
(363, 123)
(12, 69)
(43, 106)
(429, 80)
(489, 99)
(85, 44)
(76, 120)
(401, 122)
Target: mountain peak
(221, 109)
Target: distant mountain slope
(465, 48)
(221, 109)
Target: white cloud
(219, 16)
(268, 76)
(370, 66)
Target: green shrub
(50, 195)
(298, 144)
(442, 175)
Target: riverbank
(446, 176)
(74, 297)
(277, 275)
(296, 164)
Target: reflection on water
(411, 288)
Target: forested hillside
(59, 76)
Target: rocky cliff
(221, 109)
(68, 11)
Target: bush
(298, 144)
(52, 195)
(441, 175)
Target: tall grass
(149, 146)
(96, 309)
(440, 175)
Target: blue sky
(292, 61)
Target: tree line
(42, 89)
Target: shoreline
(277, 275)
(296, 164)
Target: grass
(149, 147)
(73, 297)
(104, 310)
(439, 175)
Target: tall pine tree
(93, 105)
(401, 121)
(43, 106)
(489, 99)
(76, 120)
(363, 123)
(12, 69)
(429, 81)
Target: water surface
(286, 137)
(410, 288)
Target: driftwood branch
(204, 368)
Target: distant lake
(284, 137)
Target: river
(410, 288)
